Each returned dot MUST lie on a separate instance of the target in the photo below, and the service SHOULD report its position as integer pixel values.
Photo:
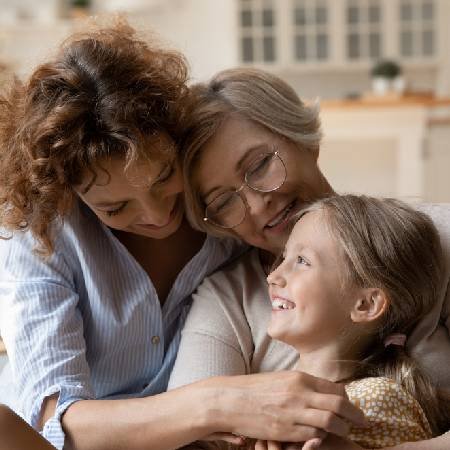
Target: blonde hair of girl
(391, 246)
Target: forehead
(114, 180)
(160, 148)
(312, 231)
(234, 139)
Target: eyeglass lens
(265, 174)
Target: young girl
(356, 276)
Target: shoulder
(244, 269)
(393, 414)
(77, 234)
(235, 283)
(222, 300)
(381, 396)
(375, 388)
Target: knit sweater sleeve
(216, 339)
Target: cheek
(310, 292)
(306, 179)
(175, 185)
(244, 233)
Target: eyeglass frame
(273, 153)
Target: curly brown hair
(107, 93)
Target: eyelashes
(167, 173)
(116, 211)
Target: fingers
(289, 406)
(333, 397)
(312, 444)
(299, 433)
(272, 445)
(326, 395)
(268, 445)
(261, 445)
(324, 420)
(227, 437)
(337, 405)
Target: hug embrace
(177, 271)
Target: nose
(257, 201)
(156, 211)
(276, 277)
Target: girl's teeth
(282, 304)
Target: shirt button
(155, 340)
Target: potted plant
(79, 8)
(387, 77)
(80, 3)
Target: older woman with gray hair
(251, 163)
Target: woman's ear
(371, 304)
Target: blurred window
(311, 30)
(417, 28)
(364, 26)
(257, 31)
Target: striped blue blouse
(87, 323)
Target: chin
(162, 233)
(282, 335)
(279, 335)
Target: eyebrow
(238, 167)
(299, 248)
(107, 203)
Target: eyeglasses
(266, 173)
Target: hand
(284, 406)
(268, 445)
(332, 442)
(311, 444)
(231, 438)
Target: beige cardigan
(225, 332)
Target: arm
(225, 331)
(215, 340)
(17, 434)
(43, 332)
(268, 406)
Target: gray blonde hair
(388, 245)
(256, 95)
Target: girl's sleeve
(43, 331)
(393, 415)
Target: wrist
(217, 401)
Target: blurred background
(380, 69)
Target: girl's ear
(371, 303)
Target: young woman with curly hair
(100, 263)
